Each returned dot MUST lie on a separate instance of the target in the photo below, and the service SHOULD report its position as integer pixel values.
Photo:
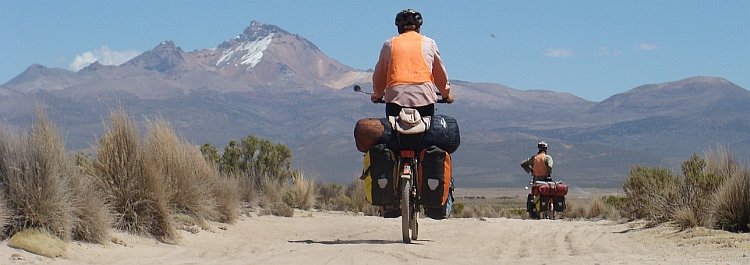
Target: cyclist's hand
(449, 99)
(375, 98)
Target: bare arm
(528, 164)
(381, 71)
(440, 74)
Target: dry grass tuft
(189, 180)
(93, 217)
(228, 199)
(132, 186)
(34, 177)
(38, 241)
(5, 213)
(731, 210)
(598, 210)
(590, 209)
(302, 193)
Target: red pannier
(557, 189)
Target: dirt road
(343, 238)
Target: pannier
(434, 177)
(531, 206)
(439, 213)
(559, 204)
(379, 175)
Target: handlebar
(357, 88)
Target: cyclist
(408, 74)
(539, 165)
(409, 69)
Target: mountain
(276, 85)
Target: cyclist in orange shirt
(539, 165)
(409, 71)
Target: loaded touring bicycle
(407, 165)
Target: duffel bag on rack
(443, 133)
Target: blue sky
(593, 49)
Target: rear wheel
(406, 209)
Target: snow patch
(253, 52)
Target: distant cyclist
(539, 165)
(409, 71)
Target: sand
(345, 238)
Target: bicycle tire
(406, 209)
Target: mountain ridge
(276, 85)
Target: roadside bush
(590, 209)
(457, 208)
(327, 194)
(44, 189)
(4, 212)
(228, 198)
(713, 192)
(356, 192)
(133, 188)
(302, 193)
(189, 180)
(652, 193)
(731, 210)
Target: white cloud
(559, 52)
(604, 50)
(104, 55)
(646, 46)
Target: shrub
(34, 178)
(598, 210)
(133, 189)
(575, 210)
(652, 193)
(327, 194)
(5, 213)
(228, 197)
(301, 194)
(457, 208)
(615, 201)
(713, 192)
(356, 192)
(188, 179)
(732, 204)
(45, 189)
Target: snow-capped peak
(253, 52)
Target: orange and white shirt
(540, 165)
(409, 71)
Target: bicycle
(408, 193)
(545, 199)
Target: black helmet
(542, 145)
(408, 17)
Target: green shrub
(652, 193)
(712, 192)
(457, 208)
(618, 202)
